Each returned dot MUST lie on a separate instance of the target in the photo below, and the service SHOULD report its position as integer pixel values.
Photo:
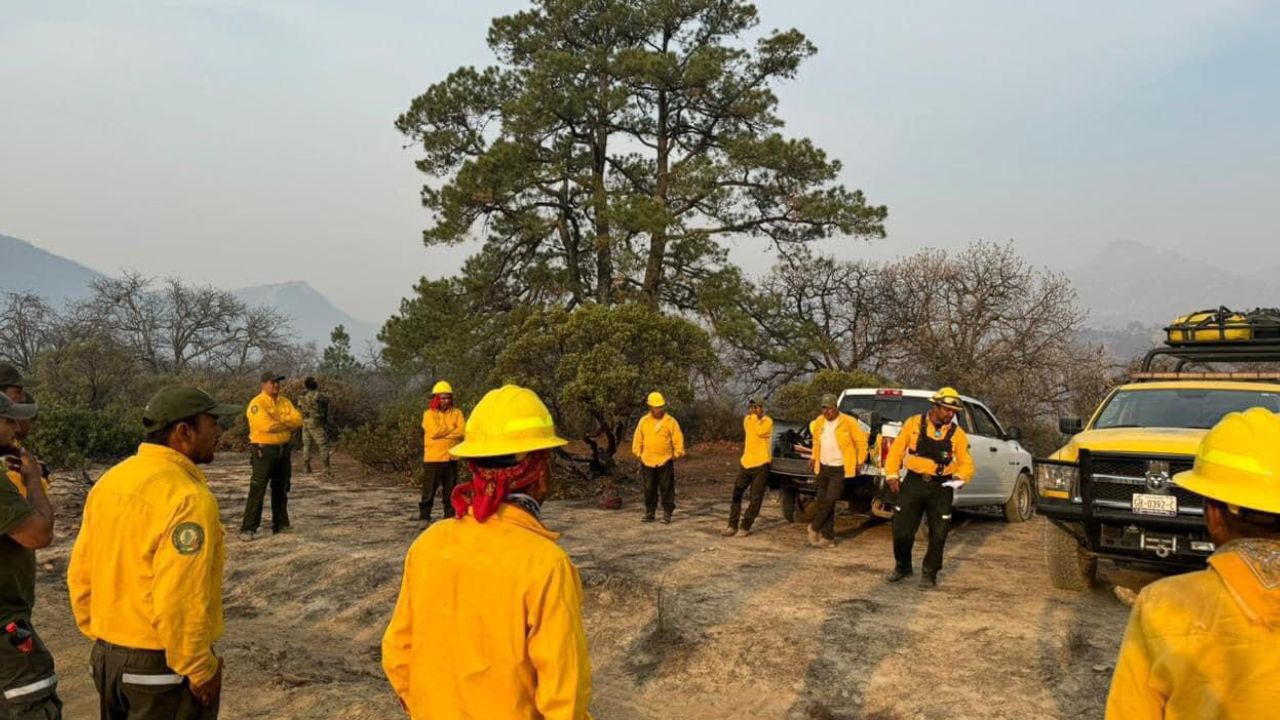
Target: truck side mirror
(1014, 434)
(1070, 425)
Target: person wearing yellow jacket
(927, 463)
(488, 624)
(145, 577)
(753, 471)
(443, 427)
(839, 449)
(272, 421)
(28, 683)
(658, 443)
(1203, 646)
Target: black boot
(898, 575)
(928, 581)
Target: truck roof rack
(1267, 350)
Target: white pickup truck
(1002, 467)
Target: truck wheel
(1021, 504)
(1071, 567)
(789, 504)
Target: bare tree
(27, 327)
(181, 327)
(127, 309)
(986, 321)
(810, 313)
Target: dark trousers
(440, 476)
(138, 685)
(756, 478)
(27, 680)
(659, 480)
(830, 487)
(917, 497)
(271, 464)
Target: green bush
(710, 420)
(72, 437)
(391, 443)
(801, 400)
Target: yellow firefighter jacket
(146, 568)
(1205, 644)
(657, 442)
(904, 446)
(755, 449)
(489, 624)
(441, 431)
(265, 414)
(849, 436)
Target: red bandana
(490, 486)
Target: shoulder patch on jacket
(188, 538)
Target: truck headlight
(1057, 479)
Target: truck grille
(1115, 480)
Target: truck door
(985, 446)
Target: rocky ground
(682, 622)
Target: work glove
(953, 484)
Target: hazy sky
(238, 143)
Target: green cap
(16, 411)
(9, 375)
(175, 403)
(829, 400)
(269, 376)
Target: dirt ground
(682, 622)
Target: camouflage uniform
(314, 406)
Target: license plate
(1144, 504)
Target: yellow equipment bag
(1225, 326)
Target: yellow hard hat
(508, 421)
(442, 388)
(1238, 462)
(656, 400)
(947, 397)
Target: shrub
(72, 437)
(391, 443)
(712, 419)
(801, 400)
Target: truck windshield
(892, 408)
(1183, 408)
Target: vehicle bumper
(1127, 538)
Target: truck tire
(1021, 505)
(789, 504)
(1071, 567)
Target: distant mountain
(1130, 283)
(58, 280)
(311, 315)
(28, 268)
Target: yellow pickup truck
(1110, 493)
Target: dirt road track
(682, 623)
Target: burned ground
(682, 623)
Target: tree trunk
(600, 199)
(658, 240)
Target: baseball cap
(269, 376)
(175, 403)
(16, 411)
(9, 375)
(829, 400)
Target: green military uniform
(28, 685)
(314, 406)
